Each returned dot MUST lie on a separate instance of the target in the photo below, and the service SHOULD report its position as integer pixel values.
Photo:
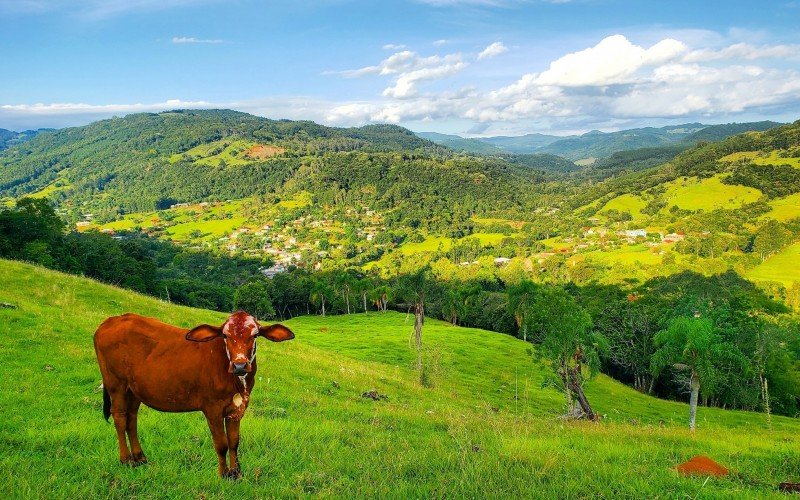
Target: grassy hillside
(486, 429)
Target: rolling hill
(600, 145)
(486, 428)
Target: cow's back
(155, 361)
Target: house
(634, 233)
(672, 237)
(271, 272)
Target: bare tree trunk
(364, 296)
(765, 396)
(323, 306)
(575, 386)
(695, 384)
(419, 317)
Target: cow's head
(239, 333)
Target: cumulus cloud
(614, 60)
(409, 70)
(613, 80)
(492, 50)
(191, 39)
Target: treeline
(33, 232)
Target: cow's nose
(239, 368)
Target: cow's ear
(203, 333)
(276, 333)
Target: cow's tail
(106, 403)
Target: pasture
(781, 267)
(486, 428)
(707, 194)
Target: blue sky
(472, 67)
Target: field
(760, 158)
(485, 429)
(781, 267)
(707, 194)
(231, 152)
(784, 209)
(629, 203)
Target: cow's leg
(216, 423)
(137, 456)
(232, 430)
(119, 411)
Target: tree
(253, 297)
(414, 289)
(319, 294)
(520, 298)
(563, 330)
(693, 345)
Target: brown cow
(208, 368)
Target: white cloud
(613, 60)
(191, 39)
(739, 51)
(393, 46)
(612, 81)
(440, 42)
(492, 50)
(410, 69)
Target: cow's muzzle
(240, 368)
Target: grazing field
(774, 158)
(230, 152)
(486, 428)
(430, 244)
(629, 203)
(707, 194)
(781, 267)
(784, 209)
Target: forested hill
(597, 144)
(147, 162)
(10, 138)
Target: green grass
(629, 203)
(774, 159)
(300, 200)
(783, 267)
(213, 228)
(707, 194)
(486, 428)
(761, 158)
(784, 209)
(629, 254)
(430, 244)
(232, 152)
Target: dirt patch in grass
(260, 152)
(702, 466)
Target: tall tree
(563, 330)
(693, 345)
(415, 289)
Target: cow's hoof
(138, 459)
(233, 473)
